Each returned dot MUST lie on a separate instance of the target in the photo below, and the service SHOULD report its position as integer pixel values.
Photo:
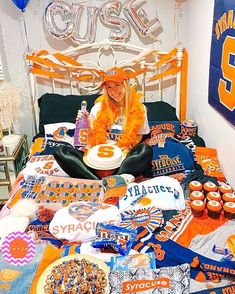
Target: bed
(182, 243)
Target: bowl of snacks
(76, 273)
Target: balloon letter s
(106, 10)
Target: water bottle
(81, 128)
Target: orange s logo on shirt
(48, 165)
(105, 151)
(226, 88)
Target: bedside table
(16, 156)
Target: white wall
(215, 130)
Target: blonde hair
(133, 118)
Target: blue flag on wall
(222, 60)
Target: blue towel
(170, 253)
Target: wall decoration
(62, 9)
(106, 18)
(68, 25)
(71, 19)
(92, 14)
(222, 60)
(140, 20)
(21, 4)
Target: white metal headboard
(79, 70)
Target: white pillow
(60, 132)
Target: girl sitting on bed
(118, 115)
(119, 108)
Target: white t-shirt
(116, 128)
(78, 220)
(162, 192)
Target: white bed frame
(99, 57)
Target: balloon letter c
(59, 8)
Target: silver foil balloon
(115, 7)
(139, 19)
(92, 14)
(62, 9)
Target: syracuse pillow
(57, 134)
(160, 114)
(60, 132)
(159, 130)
